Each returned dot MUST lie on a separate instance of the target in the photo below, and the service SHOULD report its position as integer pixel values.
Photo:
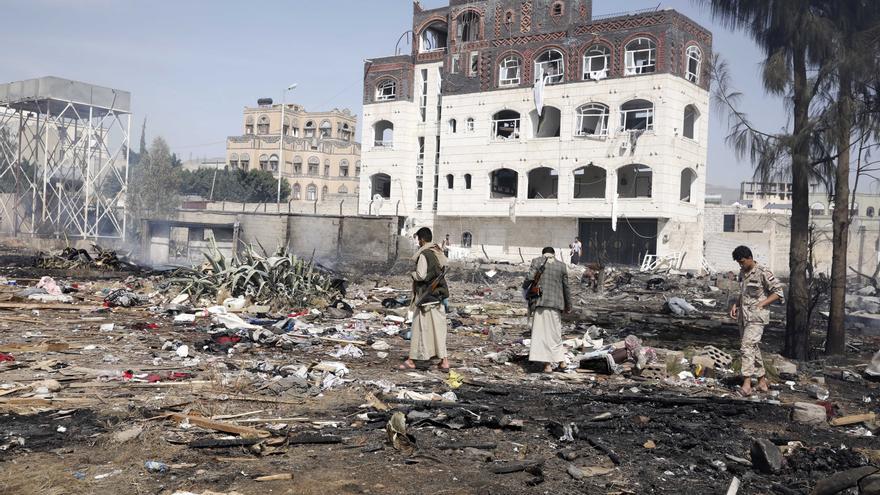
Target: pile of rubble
(71, 258)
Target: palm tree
(794, 38)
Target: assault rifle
(431, 288)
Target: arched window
(342, 189)
(249, 125)
(314, 163)
(357, 168)
(264, 162)
(286, 127)
(263, 125)
(383, 132)
(503, 183)
(326, 129)
(543, 183)
(466, 239)
(244, 161)
(634, 181)
(688, 177)
(343, 168)
(312, 192)
(468, 26)
(637, 115)
(869, 212)
(309, 129)
(380, 184)
(469, 124)
(817, 209)
(551, 65)
(233, 160)
(297, 191)
(450, 181)
(297, 164)
(690, 122)
(326, 168)
(640, 57)
(345, 132)
(694, 62)
(509, 71)
(548, 123)
(505, 125)
(557, 9)
(324, 192)
(589, 182)
(453, 124)
(467, 181)
(433, 37)
(592, 120)
(273, 163)
(597, 61)
(386, 90)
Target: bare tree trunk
(797, 329)
(836, 338)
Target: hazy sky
(192, 66)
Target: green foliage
(254, 186)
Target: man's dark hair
(548, 250)
(424, 234)
(741, 253)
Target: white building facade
(454, 140)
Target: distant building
(209, 163)
(321, 156)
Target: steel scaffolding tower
(64, 149)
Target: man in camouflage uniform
(758, 289)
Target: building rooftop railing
(627, 13)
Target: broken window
(423, 99)
(597, 60)
(433, 38)
(468, 26)
(453, 65)
(467, 181)
(297, 191)
(634, 181)
(690, 120)
(233, 161)
(264, 162)
(343, 168)
(381, 185)
(309, 129)
(383, 134)
(466, 239)
(453, 124)
(589, 182)
(450, 181)
(297, 164)
(326, 168)
(556, 9)
(294, 131)
(592, 120)
(286, 128)
(547, 124)
(869, 212)
(637, 115)
(509, 71)
(273, 163)
(505, 125)
(550, 65)
(326, 129)
(504, 183)
(640, 56)
(263, 125)
(694, 62)
(342, 189)
(249, 125)
(312, 192)
(688, 177)
(386, 90)
(324, 192)
(314, 162)
(543, 183)
(474, 65)
(345, 132)
(244, 161)
(469, 124)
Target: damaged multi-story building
(320, 154)
(516, 124)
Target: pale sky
(192, 66)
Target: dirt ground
(626, 433)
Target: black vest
(442, 290)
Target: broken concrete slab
(766, 456)
(809, 414)
(843, 480)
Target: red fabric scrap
(6, 357)
(228, 339)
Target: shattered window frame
(694, 57)
(553, 63)
(509, 71)
(630, 118)
(594, 110)
(386, 90)
(506, 129)
(597, 52)
(640, 57)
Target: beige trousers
(752, 361)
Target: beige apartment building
(321, 159)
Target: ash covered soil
(122, 391)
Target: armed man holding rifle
(429, 291)
(547, 294)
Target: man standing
(429, 290)
(576, 248)
(546, 346)
(758, 289)
(445, 245)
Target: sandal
(406, 367)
